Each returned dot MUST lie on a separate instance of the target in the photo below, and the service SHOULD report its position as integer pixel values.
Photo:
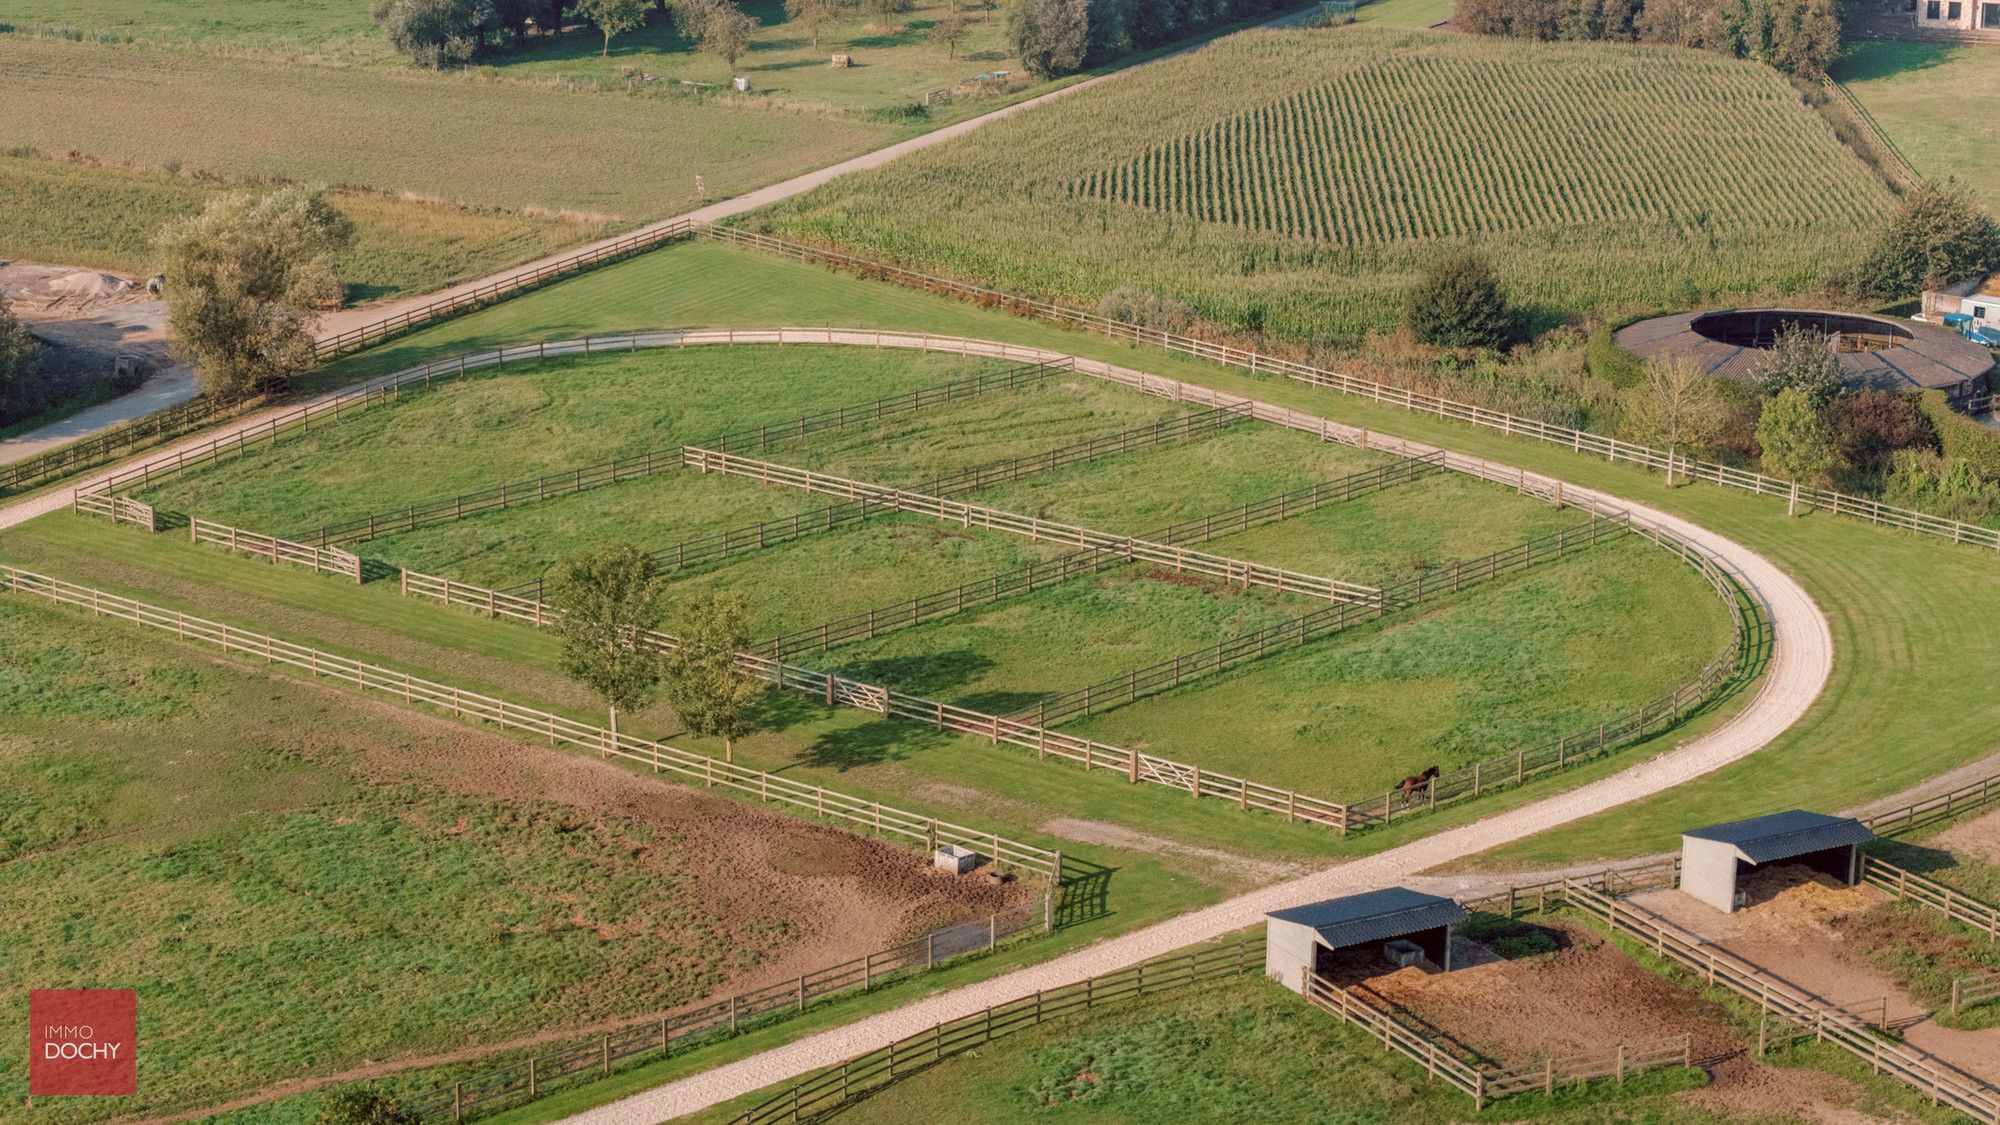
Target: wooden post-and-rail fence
(686, 766)
(524, 1080)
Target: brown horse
(1417, 783)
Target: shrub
(20, 369)
(364, 1107)
(1797, 444)
(1869, 427)
(1960, 438)
(1800, 359)
(1129, 304)
(434, 32)
(1609, 362)
(1460, 304)
(1943, 486)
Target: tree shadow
(872, 744)
(931, 674)
(1883, 58)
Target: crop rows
(1426, 146)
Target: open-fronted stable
(1305, 937)
(1715, 860)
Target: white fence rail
(322, 560)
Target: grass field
(1921, 95)
(349, 883)
(1296, 181)
(106, 218)
(1901, 645)
(1548, 654)
(894, 64)
(515, 423)
(442, 136)
(1404, 13)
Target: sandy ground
(1794, 928)
(90, 318)
(1978, 838)
(1587, 993)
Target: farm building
(1871, 351)
(1305, 937)
(1958, 15)
(1714, 860)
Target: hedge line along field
(95, 217)
(1296, 181)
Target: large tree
(718, 27)
(612, 17)
(1797, 443)
(20, 368)
(434, 32)
(1939, 234)
(949, 31)
(1460, 303)
(1051, 36)
(816, 16)
(246, 279)
(606, 596)
(1677, 407)
(703, 686)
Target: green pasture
(1905, 610)
(1927, 97)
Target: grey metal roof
(1930, 357)
(1373, 916)
(1762, 839)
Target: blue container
(1958, 322)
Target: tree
(364, 1107)
(949, 31)
(1801, 358)
(1051, 36)
(1871, 426)
(1678, 407)
(1797, 444)
(718, 28)
(612, 17)
(885, 12)
(20, 368)
(1459, 303)
(816, 16)
(247, 277)
(704, 688)
(1938, 235)
(607, 596)
(1805, 36)
(434, 32)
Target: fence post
(606, 1047)
(534, 1083)
(458, 1101)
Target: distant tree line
(1799, 37)
(1056, 37)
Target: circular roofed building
(1872, 351)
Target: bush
(1869, 427)
(1800, 359)
(1051, 36)
(434, 32)
(20, 369)
(1609, 362)
(1943, 486)
(1460, 304)
(1129, 304)
(1960, 438)
(1939, 235)
(1796, 36)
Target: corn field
(1297, 181)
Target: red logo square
(82, 1041)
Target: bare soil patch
(837, 895)
(1257, 871)
(1809, 931)
(1978, 838)
(1587, 994)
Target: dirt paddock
(837, 894)
(1587, 994)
